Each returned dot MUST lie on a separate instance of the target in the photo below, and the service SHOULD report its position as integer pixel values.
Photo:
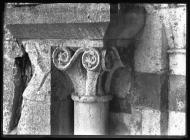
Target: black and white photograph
(94, 70)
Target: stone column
(91, 98)
(174, 20)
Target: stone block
(177, 63)
(58, 13)
(125, 123)
(174, 20)
(150, 121)
(149, 53)
(80, 31)
(177, 123)
(177, 93)
(147, 90)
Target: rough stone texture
(154, 7)
(39, 85)
(148, 57)
(35, 115)
(77, 76)
(177, 94)
(151, 92)
(150, 121)
(53, 13)
(149, 50)
(177, 63)
(174, 20)
(81, 31)
(35, 118)
(10, 51)
(8, 91)
(177, 123)
(125, 123)
(70, 42)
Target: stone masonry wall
(155, 105)
(155, 109)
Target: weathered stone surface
(149, 49)
(149, 58)
(147, 90)
(69, 42)
(8, 92)
(177, 94)
(174, 20)
(78, 77)
(10, 51)
(35, 118)
(151, 91)
(136, 122)
(22, 75)
(121, 82)
(90, 118)
(177, 63)
(35, 115)
(53, 13)
(59, 31)
(151, 8)
(39, 85)
(126, 124)
(150, 121)
(177, 123)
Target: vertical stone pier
(35, 114)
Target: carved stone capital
(91, 59)
(85, 67)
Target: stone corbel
(36, 96)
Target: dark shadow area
(127, 21)
(62, 106)
(164, 93)
(22, 75)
